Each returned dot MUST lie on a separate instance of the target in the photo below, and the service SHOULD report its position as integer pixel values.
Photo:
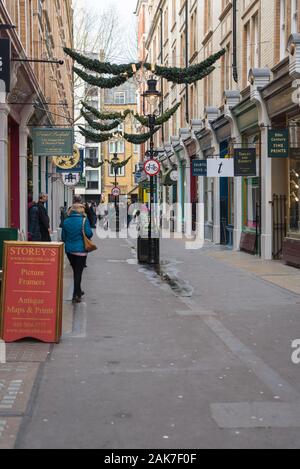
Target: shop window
(294, 174)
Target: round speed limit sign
(152, 168)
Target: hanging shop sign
(137, 177)
(5, 65)
(220, 167)
(199, 168)
(278, 143)
(152, 168)
(66, 163)
(245, 162)
(76, 169)
(32, 292)
(53, 141)
(174, 175)
(71, 179)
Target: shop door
(279, 224)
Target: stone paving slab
(287, 282)
(274, 272)
(27, 352)
(16, 384)
(257, 415)
(9, 428)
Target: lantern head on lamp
(115, 159)
(152, 96)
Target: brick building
(41, 94)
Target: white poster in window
(220, 168)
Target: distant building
(118, 100)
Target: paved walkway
(197, 355)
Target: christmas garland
(139, 139)
(105, 83)
(98, 126)
(187, 75)
(141, 119)
(89, 162)
(123, 72)
(119, 165)
(100, 115)
(102, 67)
(95, 137)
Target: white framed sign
(220, 168)
(71, 179)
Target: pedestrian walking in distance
(44, 220)
(72, 235)
(34, 232)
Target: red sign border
(59, 300)
(159, 167)
(116, 187)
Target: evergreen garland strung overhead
(100, 115)
(89, 162)
(102, 67)
(123, 72)
(95, 137)
(141, 119)
(120, 164)
(103, 83)
(97, 126)
(139, 139)
(187, 75)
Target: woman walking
(72, 235)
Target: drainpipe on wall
(187, 112)
(162, 64)
(234, 28)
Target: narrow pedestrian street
(197, 355)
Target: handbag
(88, 244)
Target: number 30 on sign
(152, 167)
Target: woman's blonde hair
(77, 208)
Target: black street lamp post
(115, 162)
(152, 96)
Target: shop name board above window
(278, 143)
(5, 65)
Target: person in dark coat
(72, 236)
(34, 233)
(90, 214)
(44, 220)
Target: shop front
(207, 185)
(222, 130)
(284, 114)
(246, 115)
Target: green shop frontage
(246, 115)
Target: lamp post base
(148, 251)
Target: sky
(125, 8)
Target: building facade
(41, 94)
(254, 89)
(119, 100)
